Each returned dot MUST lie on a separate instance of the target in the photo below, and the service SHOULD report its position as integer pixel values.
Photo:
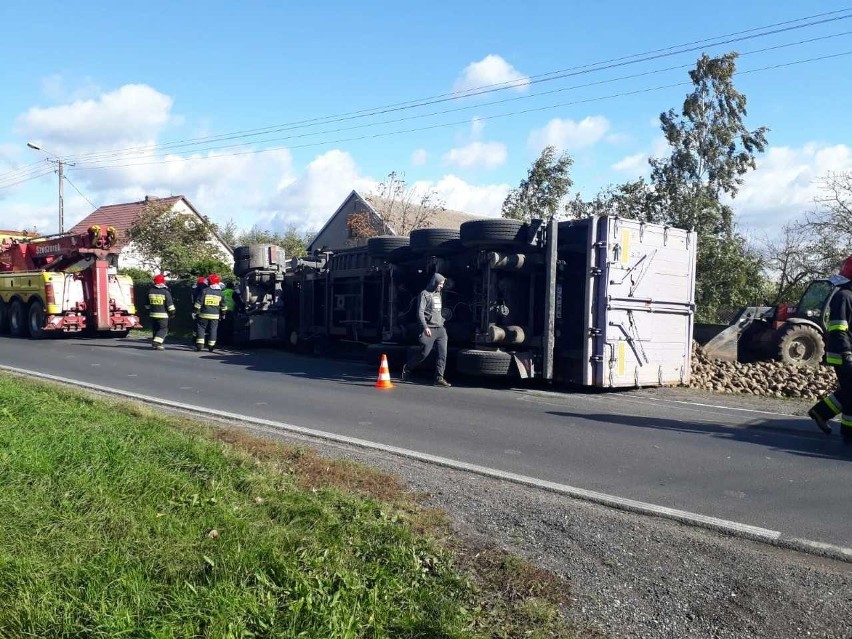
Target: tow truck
(65, 284)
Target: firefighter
(209, 308)
(838, 354)
(199, 286)
(161, 309)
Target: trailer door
(642, 304)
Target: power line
(480, 106)
(78, 191)
(544, 77)
(455, 123)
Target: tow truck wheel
(17, 319)
(36, 320)
(4, 317)
(481, 363)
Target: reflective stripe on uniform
(846, 420)
(159, 340)
(838, 325)
(171, 308)
(832, 403)
(159, 315)
(835, 359)
(208, 316)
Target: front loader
(791, 334)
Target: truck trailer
(605, 301)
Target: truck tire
(35, 320)
(488, 233)
(481, 363)
(4, 317)
(383, 245)
(242, 260)
(17, 319)
(801, 345)
(435, 241)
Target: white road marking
(756, 533)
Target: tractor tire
(435, 241)
(801, 345)
(401, 255)
(35, 320)
(481, 363)
(4, 318)
(17, 319)
(492, 233)
(383, 245)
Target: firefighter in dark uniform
(209, 308)
(838, 353)
(161, 309)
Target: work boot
(210, 348)
(405, 375)
(821, 422)
(440, 381)
(198, 348)
(160, 347)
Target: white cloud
(492, 69)
(486, 154)
(308, 201)
(482, 199)
(419, 157)
(477, 126)
(784, 185)
(131, 115)
(569, 134)
(636, 163)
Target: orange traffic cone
(384, 380)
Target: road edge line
(736, 529)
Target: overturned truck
(603, 301)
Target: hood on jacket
(436, 279)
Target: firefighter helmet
(159, 278)
(213, 278)
(846, 269)
(201, 281)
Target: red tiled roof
(121, 216)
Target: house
(16, 235)
(123, 216)
(336, 233)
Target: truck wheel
(483, 363)
(35, 320)
(17, 319)
(435, 241)
(382, 245)
(800, 345)
(4, 317)
(487, 233)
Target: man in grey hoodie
(433, 333)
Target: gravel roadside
(636, 576)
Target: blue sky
(184, 98)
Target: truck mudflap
(640, 304)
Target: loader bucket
(724, 345)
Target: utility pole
(60, 163)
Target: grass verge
(118, 520)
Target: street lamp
(60, 163)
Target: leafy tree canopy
(541, 193)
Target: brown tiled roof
(121, 216)
(442, 218)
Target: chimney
(151, 198)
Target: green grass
(119, 521)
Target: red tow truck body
(64, 284)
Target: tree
(294, 242)
(630, 200)
(398, 207)
(172, 242)
(541, 194)
(711, 151)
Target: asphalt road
(762, 469)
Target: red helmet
(214, 279)
(201, 281)
(846, 269)
(159, 278)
